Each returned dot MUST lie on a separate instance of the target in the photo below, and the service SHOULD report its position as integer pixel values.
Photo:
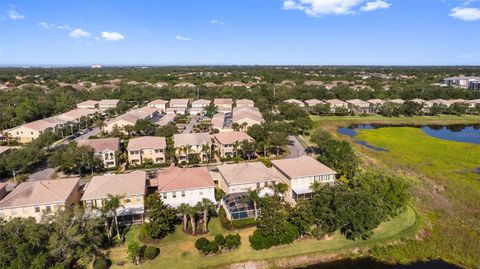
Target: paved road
(94, 131)
(191, 124)
(295, 148)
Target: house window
(139, 199)
(174, 194)
(48, 209)
(25, 210)
(200, 193)
(37, 209)
(164, 195)
(265, 184)
(258, 185)
(183, 193)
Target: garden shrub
(211, 247)
(259, 241)
(232, 241)
(201, 243)
(151, 252)
(226, 223)
(101, 263)
(291, 233)
(220, 240)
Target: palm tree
(253, 196)
(315, 186)
(184, 210)
(280, 188)
(206, 150)
(266, 144)
(235, 126)
(192, 213)
(205, 205)
(235, 148)
(111, 205)
(243, 126)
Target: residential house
(227, 143)
(130, 187)
(198, 106)
(107, 104)
(359, 106)
(179, 104)
(234, 84)
(192, 144)
(301, 172)
(473, 103)
(4, 149)
(159, 104)
(247, 117)
(220, 121)
(244, 177)
(336, 103)
(396, 101)
(30, 131)
(178, 186)
(38, 198)
(223, 104)
(375, 104)
(146, 149)
(313, 83)
(441, 102)
(313, 102)
(295, 102)
(185, 85)
(166, 119)
(130, 118)
(104, 148)
(75, 115)
(89, 104)
(210, 85)
(244, 103)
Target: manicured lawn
(445, 187)
(178, 249)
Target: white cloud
(216, 22)
(79, 33)
(63, 27)
(374, 5)
(323, 7)
(182, 38)
(45, 25)
(465, 13)
(112, 36)
(13, 14)
(53, 26)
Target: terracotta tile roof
(223, 101)
(418, 101)
(166, 119)
(130, 184)
(147, 142)
(232, 137)
(192, 139)
(175, 179)
(302, 167)
(295, 102)
(376, 101)
(247, 113)
(218, 120)
(244, 102)
(4, 149)
(43, 124)
(108, 102)
(357, 102)
(88, 103)
(397, 101)
(336, 102)
(76, 114)
(201, 102)
(314, 102)
(179, 102)
(158, 102)
(243, 173)
(101, 144)
(40, 192)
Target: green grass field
(445, 188)
(178, 249)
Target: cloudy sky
(214, 32)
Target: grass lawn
(178, 249)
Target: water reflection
(369, 263)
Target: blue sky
(215, 32)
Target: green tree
(110, 206)
(134, 252)
(205, 205)
(161, 217)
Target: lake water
(369, 263)
(458, 133)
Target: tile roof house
(219, 122)
(397, 101)
(130, 118)
(301, 172)
(313, 102)
(359, 106)
(30, 131)
(201, 103)
(130, 187)
(295, 102)
(159, 104)
(179, 103)
(334, 103)
(105, 149)
(225, 142)
(185, 85)
(145, 148)
(76, 114)
(223, 104)
(38, 198)
(195, 142)
(244, 103)
(243, 177)
(106, 104)
(184, 185)
(247, 116)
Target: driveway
(295, 148)
(191, 124)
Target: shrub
(226, 223)
(232, 241)
(291, 233)
(244, 223)
(259, 241)
(265, 161)
(220, 240)
(201, 243)
(101, 263)
(151, 252)
(211, 247)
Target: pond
(369, 263)
(458, 133)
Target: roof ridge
(48, 188)
(8, 197)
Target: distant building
(225, 142)
(245, 103)
(295, 102)
(145, 148)
(223, 104)
(193, 143)
(472, 83)
(159, 104)
(95, 66)
(104, 148)
(244, 177)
